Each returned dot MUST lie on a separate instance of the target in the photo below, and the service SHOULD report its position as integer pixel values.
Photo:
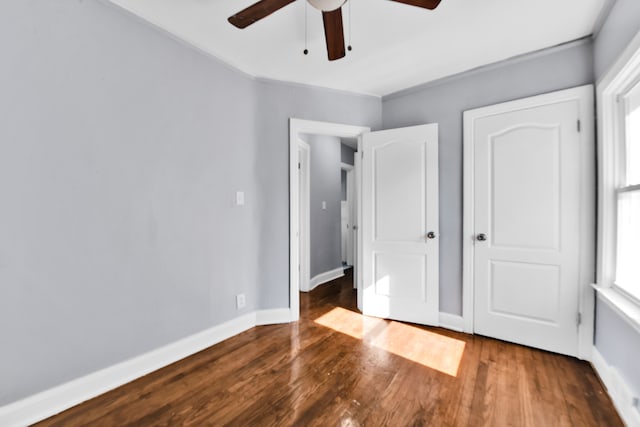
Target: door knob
(481, 237)
(431, 235)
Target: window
(618, 281)
(627, 273)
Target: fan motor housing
(327, 5)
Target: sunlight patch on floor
(429, 349)
(348, 322)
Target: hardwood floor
(337, 368)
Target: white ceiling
(395, 46)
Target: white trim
(468, 215)
(325, 277)
(296, 127)
(57, 399)
(452, 322)
(588, 172)
(357, 268)
(600, 366)
(273, 317)
(617, 388)
(305, 212)
(586, 303)
(616, 81)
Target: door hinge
(362, 154)
(579, 319)
(299, 166)
(579, 126)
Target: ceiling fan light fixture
(327, 5)
(331, 17)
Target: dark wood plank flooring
(337, 368)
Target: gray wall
(618, 343)
(346, 154)
(120, 154)
(325, 233)
(343, 185)
(444, 102)
(615, 34)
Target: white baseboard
(325, 277)
(452, 321)
(55, 400)
(273, 317)
(620, 393)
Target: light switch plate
(240, 198)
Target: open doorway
(326, 195)
(301, 271)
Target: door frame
(350, 169)
(296, 127)
(304, 192)
(584, 95)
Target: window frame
(611, 90)
(621, 167)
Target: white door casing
(304, 192)
(351, 194)
(399, 210)
(527, 219)
(357, 228)
(344, 229)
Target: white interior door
(526, 186)
(400, 224)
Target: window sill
(627, 309)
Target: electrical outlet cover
(241, 302)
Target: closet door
(527, 216)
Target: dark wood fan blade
(426, 4)
(334, 34)
(257, 11)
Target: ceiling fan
(331, 15)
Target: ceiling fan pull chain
(306, 50)
(349, 48)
